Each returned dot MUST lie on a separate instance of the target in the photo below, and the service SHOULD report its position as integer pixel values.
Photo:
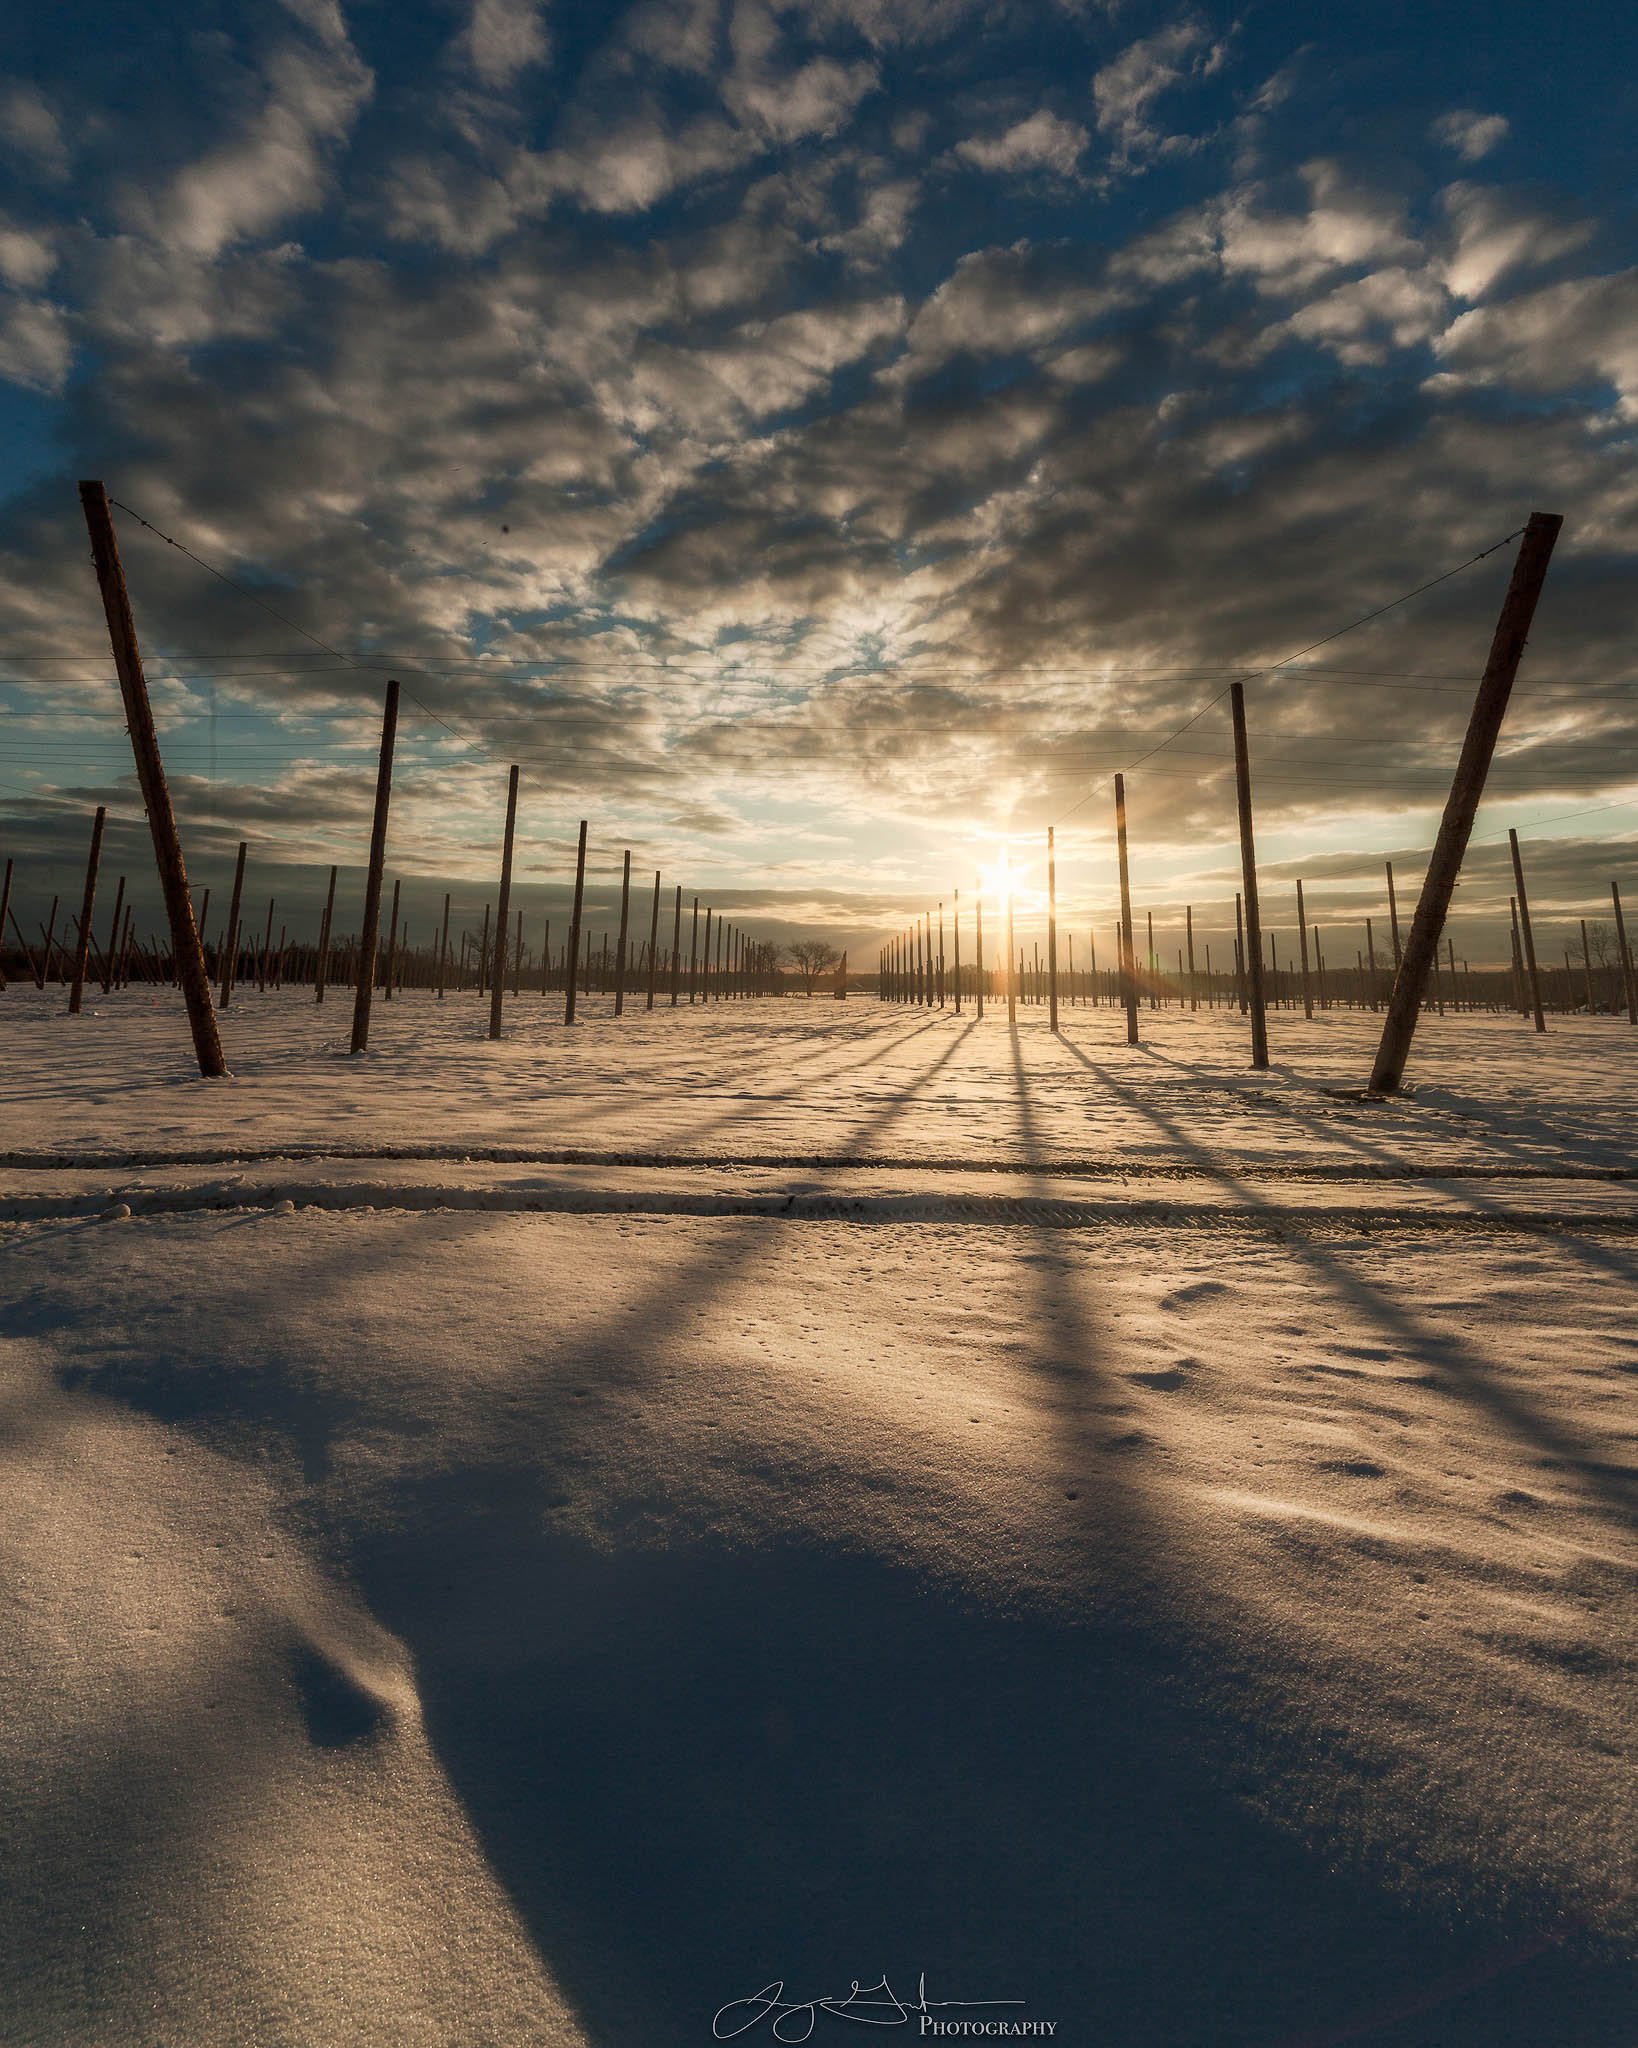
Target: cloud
(34, 345)
(1493, 231)
(31, 129)
(1471, 135)
(999, 301)
(696, 446)
(1041, 142)
(632, 166)
(1361, 321)
(275, 165)
(883, 222)
(27, 258)
(1581, 332)
(503, 38)
(786, 101)
(1345, 225)
(1124, 92)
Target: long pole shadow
(1463, 1371)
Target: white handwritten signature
(870, 2005)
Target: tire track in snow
(1112, 1211)
(1338, 1171)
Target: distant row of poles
(914, 968)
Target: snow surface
(533, 1542)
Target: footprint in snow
(1199, 1290)
(1166, 1379)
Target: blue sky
(820, 441)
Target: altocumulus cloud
(805, 435)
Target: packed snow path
(517, 1544)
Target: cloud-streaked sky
(817, 439)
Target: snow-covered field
(536, 1542)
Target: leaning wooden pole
(156, 796)
(389, 972)
(1052, 934)
(503, 911)
(1456, 827)
(620, 947)
(1128, 978)
(110, 962)
(230, 966)
(571, 962)
(443, 948)
(82, 951)
(1624, 955)
(1248, 869)
(676, 946)
(369, 930)
(1012, 960)
(1302, 935)
(1529, 937)
(653, 942)
(321, 967)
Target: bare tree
(1601, 947)
(811, 958)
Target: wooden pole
(517, 958)
(676, 947)
(1012, 959)
(1302, 936)
(503, 911)
(978, 951)
(443, 948)
(1128, 979)
(483, 955)
(1052, 933)
(38, 972)
(653, 942)
(76, 994)
(955, 934)
(262, 971)
(1188, 932)
(1527, 934)
(1625, 955)
(1520, 1000)
(392, 942)
(230, 968)
(1467, 787)
(572, 962)
(1248, 868)
(620, 946)
(693, 953)
(369, 930)
(5, 906)
(1393, 921)
(156, 796)
(48, 932)
(321, 967)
